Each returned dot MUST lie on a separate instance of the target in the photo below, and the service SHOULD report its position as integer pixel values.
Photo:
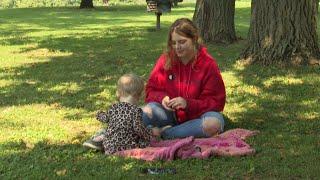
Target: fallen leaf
(61, 172)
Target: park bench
(161, 5)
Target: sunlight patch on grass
(242, 25)
(234, 85)
(253, 90)
(113, 159)
(10, 58)
(45, 53)
(107, 93)
(31, 123)
(15, 56)
(233, 89)
(38, 122)
(283, 80)
(243, 4)
(6, 82)
(128, 166)
(136, 38)
(310, 116)
(79, 125)
(104, 98)
(276, 97)
(310, 102)
(18, 26)
(76, 32)
(232, 111)
(65, 88)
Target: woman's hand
(177, 103)
(165, 102)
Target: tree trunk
(282, 32)
(86, 4)
(215, 20)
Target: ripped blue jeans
(161, 117)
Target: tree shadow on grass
(285, 98)
(283, 101)
(269, 98)
(94, 61)
(77, 70)
(93, 64)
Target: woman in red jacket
(185, 89)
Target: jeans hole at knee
(211, 126)
(147, 110)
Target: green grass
(59, 66)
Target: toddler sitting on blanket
(125, 129)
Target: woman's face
(183, 47)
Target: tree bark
(282, 32)
(86, 4)
(215, 20)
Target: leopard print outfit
(125, 128)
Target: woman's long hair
(186, 28)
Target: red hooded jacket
(201, 85)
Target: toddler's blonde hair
(130, 85)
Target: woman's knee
(149, 108)
(212, 126)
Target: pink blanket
(229, 143)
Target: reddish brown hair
(186, 28)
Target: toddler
(125, 128)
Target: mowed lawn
(58, 66)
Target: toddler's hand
(156, 131)
(101, 116)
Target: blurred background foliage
(57, 3)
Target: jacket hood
(201, 57)
(202, 52)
